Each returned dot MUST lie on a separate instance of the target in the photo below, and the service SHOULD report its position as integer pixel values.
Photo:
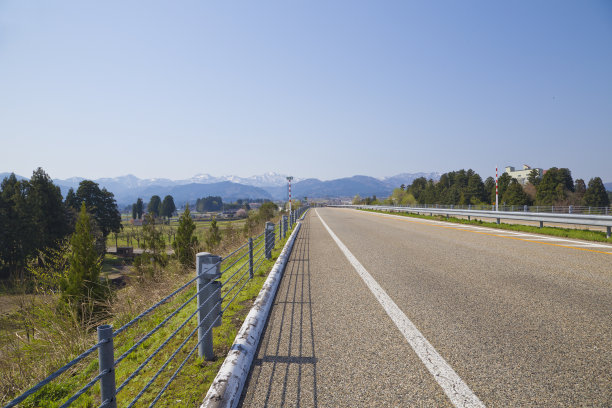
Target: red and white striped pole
(289, 180)
(496, 192)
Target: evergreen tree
(429, 194)
(71, 200)
(139, 208)
(489, 188)
(213, 236)
(475, 190)
(81, 289)
(154, 206)
(185, 242)
(515, 195)
(102, 206)
(534, 177)
(167, 207)
(595, 194)
(154, 256)
(554, 186)
(47, 210)
(502, 184)
(417, 187)
(579, 191)
(16, 236)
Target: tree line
(156, 207)
(463, 187)
(34, 216)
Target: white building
(522, 175)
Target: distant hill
(5, 175)
(273, 186)
(408, 178)
(191, 192)
(125, 194)
(343, 187)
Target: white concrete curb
(227, 386)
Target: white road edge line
(500, 231)
(453, 386)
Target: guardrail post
(570, 209)
(208, 269)
(608, 231)
(250, 257)
(525, 208)
(106, 361)
(284, 222)
(541, 224)
(269, 239)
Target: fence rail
(217, 287)
(541, 217)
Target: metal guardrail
(210, 278)
(541, 217)
(557, 209)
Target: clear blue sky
(320, 89)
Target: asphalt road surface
(428, 314)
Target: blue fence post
(208, 269)
(106, 361)
(250, 257)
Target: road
(471, 317)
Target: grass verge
(192, 383)
(587, 235)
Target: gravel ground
(523, 324)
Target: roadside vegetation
(56, 288)
(464, 187)
(587, 235)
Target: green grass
(167, 229)
(192, 383)
(587, 235)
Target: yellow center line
(399, 217)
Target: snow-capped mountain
(268, 185)
(269, 179)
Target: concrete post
(269, 239)
(608, 231)
(208, 269)
(280, 229)
(106, 361)
(285, 225)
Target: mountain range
(270, 185)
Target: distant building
(522, 175)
